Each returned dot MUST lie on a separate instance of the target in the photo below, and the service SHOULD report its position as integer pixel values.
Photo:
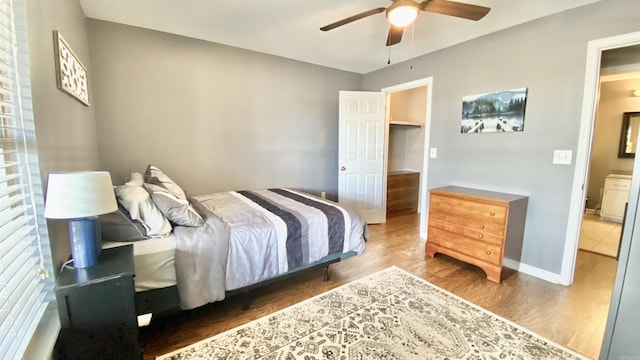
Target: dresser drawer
(465, 208)
(440, 236)
(484, 226)
(402, 204)
(618, 184)
(486, 252)
(402, 194)
(434, 215)
(482, 236)
(446, 226)
(403, 180)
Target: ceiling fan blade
(395, 35)
(352, 18)
(452, 8)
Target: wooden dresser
(476, 226)
(403, 188)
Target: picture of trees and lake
(501, 111)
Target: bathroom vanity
(615, 196)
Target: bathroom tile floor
(599, 236)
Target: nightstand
(97, 309)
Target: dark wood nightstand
(97, 309)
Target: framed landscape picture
(501, 111)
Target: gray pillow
(178, 211)
(170, 199)
(118, 226)
(155, 176)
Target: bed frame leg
(326, 273)
(247, 298)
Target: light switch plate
(562, 157)
(433, 153)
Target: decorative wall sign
(71, 75)
(501, 111)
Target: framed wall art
(71, 75)
(501, 111)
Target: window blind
(25, 259)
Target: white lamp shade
(79, 195)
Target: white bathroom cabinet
(614, 197)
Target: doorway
(426, 83)
(610, 168)
(584, 151)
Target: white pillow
(135, 179)
(140, 207)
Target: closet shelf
(404, 123)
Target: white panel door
(361, 153)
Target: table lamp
(80, 197)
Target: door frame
(585, 141)
(423, 200)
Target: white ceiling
(290, 28)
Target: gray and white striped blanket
(265, 233)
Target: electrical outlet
(433, 153)
(562, 157)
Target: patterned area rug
(388, 315)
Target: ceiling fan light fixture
(402, 12)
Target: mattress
(154, 261)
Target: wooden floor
(571, 316)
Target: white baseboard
(533, 271)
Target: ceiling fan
(403, 12)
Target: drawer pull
(488, 252)
(481, 236)
(437, 202)
(492, 213)
(442, 226)
(481, 226)
(435, 236)
(443, 217)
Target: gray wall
(547, 56)
(615, 99)
(214, 117)
(406, 143)
(65, 128)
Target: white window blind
(25, 259)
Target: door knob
(342, 168)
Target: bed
(190, 251)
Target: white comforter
(242, 243)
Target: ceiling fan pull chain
(389, 58)
(413, 36)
